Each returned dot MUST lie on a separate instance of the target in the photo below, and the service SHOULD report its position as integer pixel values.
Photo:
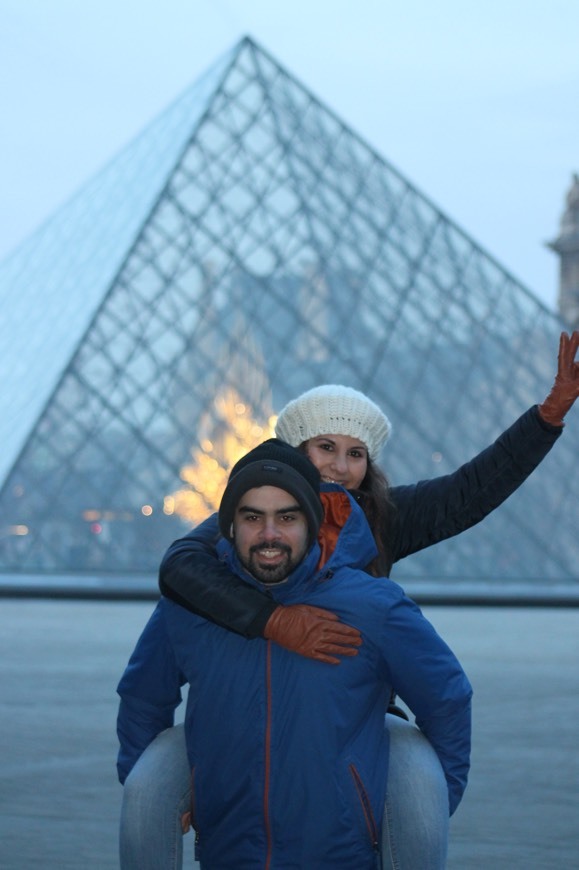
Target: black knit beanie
(274, 463)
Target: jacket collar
(345, 521)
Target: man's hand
(312, 632)
(566, 387)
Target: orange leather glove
(566, 387)
(312, 632)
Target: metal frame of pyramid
(247, 246)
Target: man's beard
(263, 571)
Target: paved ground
(59, 799)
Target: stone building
(566, 245)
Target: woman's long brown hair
(380, 510)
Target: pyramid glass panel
(248, 246)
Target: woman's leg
(415, 829)
(155, 795)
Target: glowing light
(96, 528)
(18, 530)
(91, 515)
(233, 432)
(146, 510)
(436, 456)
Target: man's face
(270, 533)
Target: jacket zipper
(192, 808)
(366, 807)
(267, 821)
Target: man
(289, 758)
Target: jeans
(416, 821)
(155, 795)
(415, 826)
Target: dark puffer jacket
(426, 513)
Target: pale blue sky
(476, 103)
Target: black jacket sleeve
(427, 512)
(192, 576)
(434, 510)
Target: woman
(342, 432)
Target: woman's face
(339, 459)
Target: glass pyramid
(248, 246)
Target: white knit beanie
(334, 410)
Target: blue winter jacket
(289, 756)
